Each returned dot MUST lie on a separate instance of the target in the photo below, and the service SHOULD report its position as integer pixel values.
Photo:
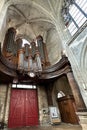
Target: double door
(23, 108)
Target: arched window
(24, 41)
(60, 94)
(24, 86)
(75, 14)
(78, 14)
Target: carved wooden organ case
(18, 62)
(30, 58)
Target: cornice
(52, 72)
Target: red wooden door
(23, 108)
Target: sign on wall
(54, 115)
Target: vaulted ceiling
(37, 17)
(33, 17)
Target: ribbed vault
(36, 17)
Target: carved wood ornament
(29, 63)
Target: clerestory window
(78, 14)
(23, 86)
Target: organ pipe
(40, 46)
(30, 64)
(38, 61)
(30, 58)
(19, 43)
(26, 50)
(33, 46)
(30, 61)
(21, 59)
(9, 39)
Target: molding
(7, 71)
(56, 73)
(52, 72)
(8, 64)
(59, 65)
(77, 33)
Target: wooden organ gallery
(26, 59)
(29, 64)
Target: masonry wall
(44, 92)
(43, 106)
(61, 84)
(54, 47)
(4, 103)
(76, 51)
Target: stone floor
(56, 127)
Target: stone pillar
(2, 101)
(43, 106)
(76, 91)
(3, 19)
(81, 108)
(49, 89)
(7, 110)
(82, 119)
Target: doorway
(23, 108)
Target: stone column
(43, 106)
(7, 109)
(81, 108)
(49, 89)
(76, 91)
(3, 19)
(83, 119)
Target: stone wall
(2, 100)
(4, 103)
(1, 4)
(77, 54)
(5, 91)
(3, 22)
(60, 84)
(8, 104)
(43, 106)
(53, 46)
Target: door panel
(67, 109)
(32, 109)
(23, 108)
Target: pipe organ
(32, 58)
